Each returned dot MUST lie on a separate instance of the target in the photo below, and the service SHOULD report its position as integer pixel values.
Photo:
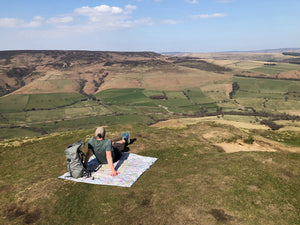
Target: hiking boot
(125, 137)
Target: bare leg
(120, 145)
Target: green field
(147, 106)
(50, 101)
(268, 94)
(267, 85)
(13, 103)
(128, 100)
(123, 96)
(278, 68)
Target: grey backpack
(75, 158)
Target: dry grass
(192, 182)
(161, 78)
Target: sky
(149, 25)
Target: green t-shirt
(100, 147)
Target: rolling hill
(87, 72)
(224, 127)
(45, 91)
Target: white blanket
(130, 166)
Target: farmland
(44, 109)
(149, 87)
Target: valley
(224, 127)
(44, 91)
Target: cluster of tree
(291, 53)
(108, 63)
(186, 95)
(100, 82)
(82, 83)
(235, 87)
(271, 124)
(293, 61)
(159, 97)
(270, 64)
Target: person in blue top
(106, 151)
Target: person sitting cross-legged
(106, 151)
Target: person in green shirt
(106, 151)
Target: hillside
(24, 72)
(225, 131)
(88, 72)
(194, 181)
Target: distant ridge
(278, 50)
(174, 53)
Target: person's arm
(110, 164)
(87, 156)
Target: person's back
(104, 150)
(99, 148)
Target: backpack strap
(86, 171)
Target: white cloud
(207, 16)
(103, 10)
(105, 17)
(57, 20)
(36, 22)
(192, 1)
(129, 9)
(18, 23)
(88, 19)
(10, 22)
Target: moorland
(224, 126)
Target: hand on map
(114, 173)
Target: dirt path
(260, 145)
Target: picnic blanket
(131, 167)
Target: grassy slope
(269, 95)
(278, 68)
(191, 183)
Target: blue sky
(150, 25)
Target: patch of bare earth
(260, 144)
(293, 74)
(229, 139)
